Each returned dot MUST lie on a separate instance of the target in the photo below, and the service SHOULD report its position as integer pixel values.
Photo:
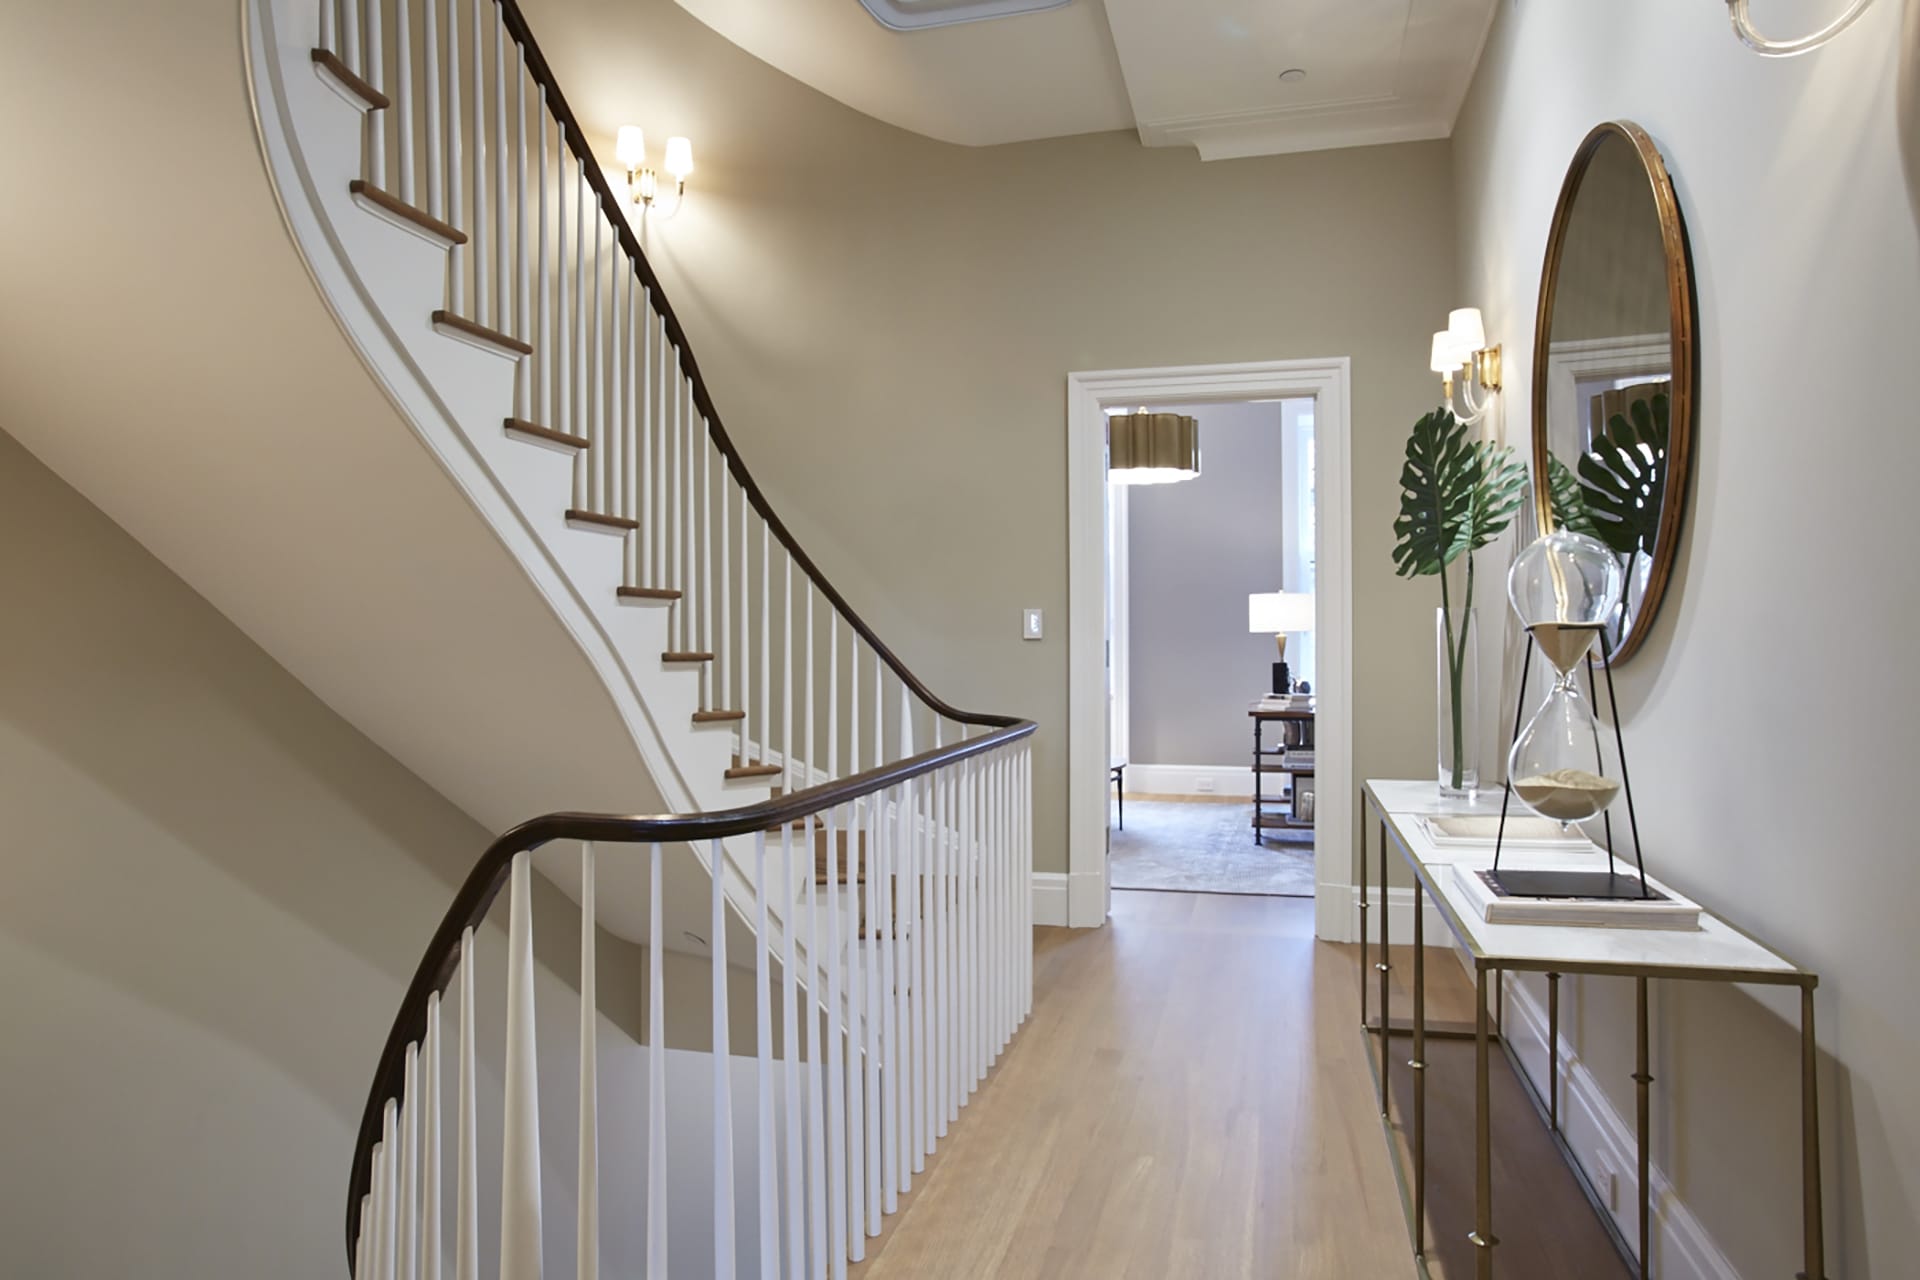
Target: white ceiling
(1201, 73)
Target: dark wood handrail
(610, 208)
(483, 884)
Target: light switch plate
(1032, 626)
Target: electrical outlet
(1032, 625)
(1203, 785)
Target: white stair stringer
(383, 282)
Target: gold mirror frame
(1680, 328)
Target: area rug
(1208, 848)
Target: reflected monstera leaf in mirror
(1614, 368)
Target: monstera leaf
(1567, 500)
(1623, 477)
(1456, 495)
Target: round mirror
(1613, 368)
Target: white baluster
(588, 1220)
(790, 1041)
(522, 286)
(382, 1252)
(794, 778)
(766, 644)
(543, 315)
(853, 700)
(376, 75)
(598, 445)
(576, 368)
(656, 1075)
(746, 629)
(430, 63)
(729, 652)
(836, 1067)
(769, 1153)
(723, 1239)
(816, 1102)
(918, 925)
(704, 524)
(833, 696)
(520, 1123)
(888, 925)
(458, 256)
(502, 297)
(327, 37)
(683, 413)
(351, 38)
(430, 1070)
(873, 943)
(408, 1221)
(854, 1012)
(942, 976)
(969, 938)
(565, 188)
(482, 261)
(363, 1243)
(403, 95)
(466, 1248)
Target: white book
(1666, 910)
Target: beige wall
(887, 324)
(1771, 790)
(216, 892)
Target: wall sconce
(1461, 348)
(630, 146)
(1743, 27)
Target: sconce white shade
(679, 161)
(1447, 357)
(1464, 326)
(1279, 612)
(630, 146)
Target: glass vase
(1457, 649)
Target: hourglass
(1564, 587)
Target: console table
(1716, 952)
(1296, 735)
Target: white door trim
(1328, 381)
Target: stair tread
(474, 329)
(401, 209)
(521, 427)
(625, 524)
(326, 59)
(647, 593)
(754, 771)
(717, 717)
(686, 655)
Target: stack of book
(1287, 701)
(1300, 758)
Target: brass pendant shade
(1152, 448)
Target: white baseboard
(1073, 901)
(1337, 916)
(1231, 780)
(1601, 1138)
(1050, 897)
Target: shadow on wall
(1909, 100)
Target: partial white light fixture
(1461, 350)
(1743, 27)
(1152, 448)
(1282, 613)
(917, 15)
(630, 146)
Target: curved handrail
(483, 884)
(516, 25)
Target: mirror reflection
(1605, 448)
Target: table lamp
(1280, 612)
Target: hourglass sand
(1563, 587)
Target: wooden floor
(1191, 1098)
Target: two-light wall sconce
(630, 146)
(1743, 27)
(1461, 350)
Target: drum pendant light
(1152, 448)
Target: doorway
(1325, 385)
(1188, 563)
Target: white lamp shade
(1469, 333)
(679, 161)
(1446, 356)
(630, 146)
(1279, 612)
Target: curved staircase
(857, 845)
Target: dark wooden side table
(1296, 734)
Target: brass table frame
(1489, 975)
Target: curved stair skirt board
(456, 397)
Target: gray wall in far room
(1197, 550)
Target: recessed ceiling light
(1292, 75)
